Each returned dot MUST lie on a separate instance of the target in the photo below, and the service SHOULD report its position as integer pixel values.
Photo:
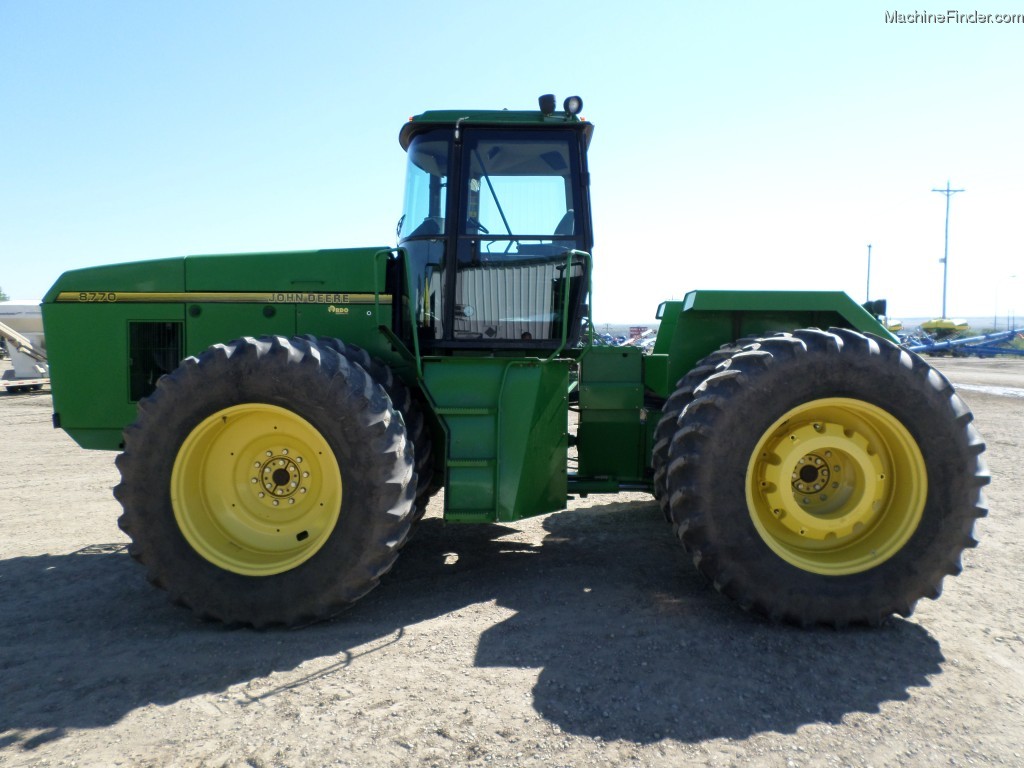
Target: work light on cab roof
(572, 105)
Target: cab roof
(495, 118)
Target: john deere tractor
(283, 418)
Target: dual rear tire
(823, 477)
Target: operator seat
(567, 225)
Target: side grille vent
(153, 349)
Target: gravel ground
(578, 638)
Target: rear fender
(704, 320)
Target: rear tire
(826, 478)
(673, 409)
(266, 481)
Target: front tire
(266, 481)
(826, 478)
(403, 401)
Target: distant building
(637, 331)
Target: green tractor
(283, 418)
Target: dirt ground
(581, 638)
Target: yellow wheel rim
(836, 486)
(256, 489)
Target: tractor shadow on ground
(633, 644)
(630, 642)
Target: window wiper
(494, 196)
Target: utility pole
(867, 291)
(945, 255)
(1011, 324)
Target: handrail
(587, 261)
(417, 359)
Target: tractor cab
(495, 231)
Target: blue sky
(737, 145)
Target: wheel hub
(821, 491)
(811, 474)
(832, 492)
(256, 489)
(278, 477)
